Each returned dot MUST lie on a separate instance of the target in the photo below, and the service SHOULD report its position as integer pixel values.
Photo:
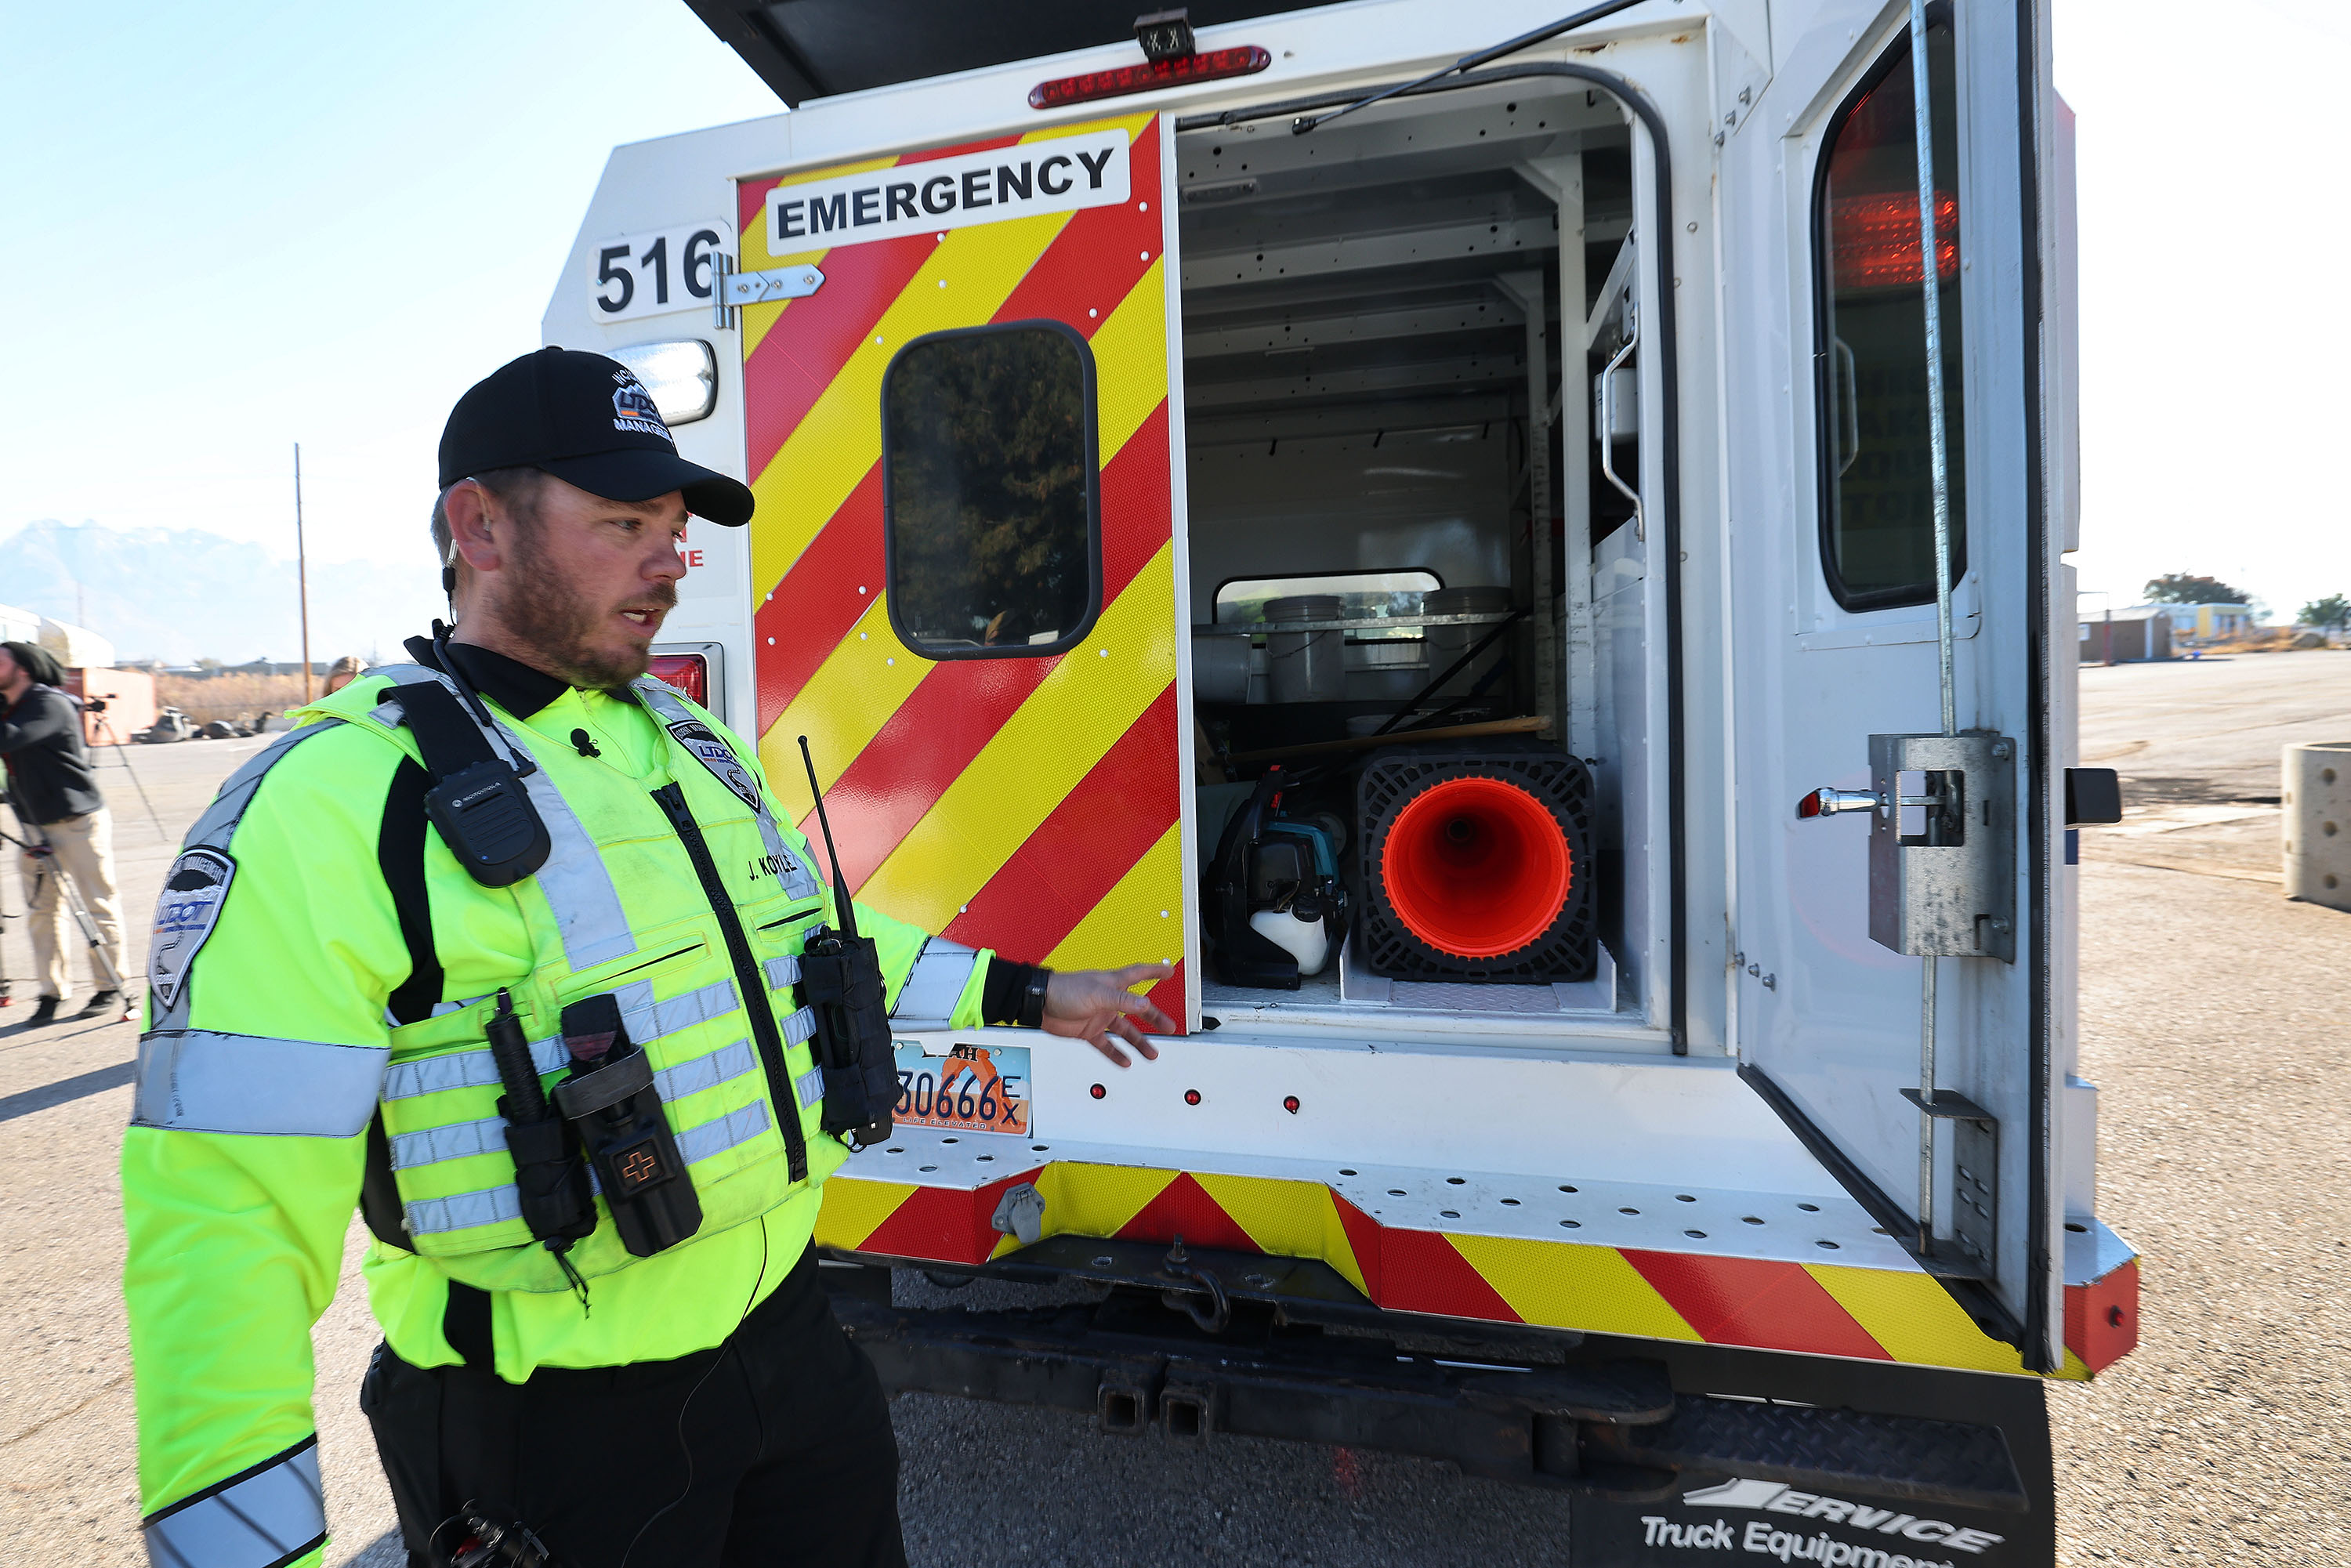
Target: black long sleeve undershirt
(1002, 992)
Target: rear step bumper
(1613, 1428)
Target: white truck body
(1707, 1143)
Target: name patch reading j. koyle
(1059, 175)
(719, 758)
(194, 891)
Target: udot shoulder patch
(718, 756)
(194, 891)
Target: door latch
(1942, 839)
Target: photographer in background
(57, 798)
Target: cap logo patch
(633, 412)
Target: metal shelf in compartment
(1347, 993)
(1351, 623)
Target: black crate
(1567, 949)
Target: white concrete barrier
(2316, 789)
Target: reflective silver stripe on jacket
(796, 880)
(464, 1210)
(738, 1126)
(645, 1020)
(198, 1081)
(270, 1516)
(578, 886)
(430, 1145)
(927, 1000)
(473, 1069)
(675, 1083)
(782, 972)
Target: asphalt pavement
(2212, 1015)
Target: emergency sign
(1063, 174)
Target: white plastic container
(1220, 669)
(1308, 666)
(1447, 644)
(1308, 941)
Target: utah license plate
(974, 1088)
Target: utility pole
(301, 571)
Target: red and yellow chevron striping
(963, 792)
(1809, 1309)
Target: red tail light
(1876, 239)
(1212, 65)
(689, 673)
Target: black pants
(773, 1449)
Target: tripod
(38, 848)
(114, 742)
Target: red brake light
(689, 673)
(1212, 65)
(1876, 239)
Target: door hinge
(732, 289)
(1975, 1168)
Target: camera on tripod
(95, 705)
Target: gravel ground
(2211, 1009)
(2213, 1014)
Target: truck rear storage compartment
(1423, 649)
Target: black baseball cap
(588, 421)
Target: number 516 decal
(649, 273)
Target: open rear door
(1943, 845)
(958, 426)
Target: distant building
(272, 668)
(2129, 636)
(2193, 625)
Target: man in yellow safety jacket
(504, 948)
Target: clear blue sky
(232, 226)
(2215, 334)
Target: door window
(1877, 520)
(989, 491)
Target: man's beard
(558, 623)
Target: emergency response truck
(1454, 570)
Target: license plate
(974, 1088)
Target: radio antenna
(845, 907)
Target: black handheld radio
(841, 982)
(482, 809)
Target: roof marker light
(1214, 65)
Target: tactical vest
(645, 895)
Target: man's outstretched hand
(1095, 1004)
